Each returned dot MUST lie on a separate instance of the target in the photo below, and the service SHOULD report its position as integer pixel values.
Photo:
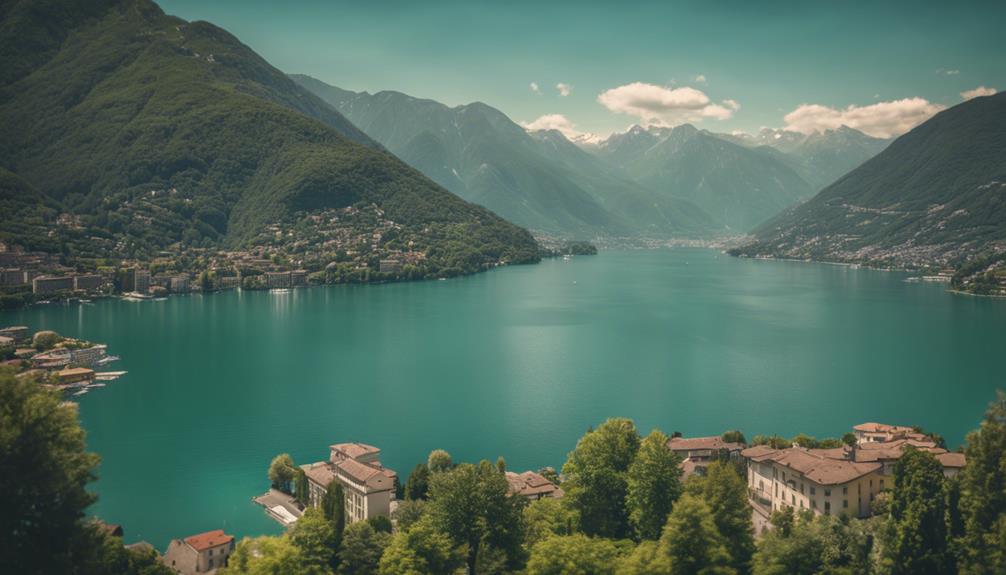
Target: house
(697, 453)
(13, 277)
(51, 284)
(532, 485)
(202, 553)
(17, 332)
(298, 278)
(841, 480)
(369, 486)
(277, 280)
(75, 375)
(881, 433)
(179, 284)
(88, 355)
(390, 266)
(6, 344)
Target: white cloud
(534, 87)
(660, 105)
(882, 120)
(701, 79)
(979, 91)
(562, 124)
(564, 89)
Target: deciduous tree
(597, 483)
(361, 550)
(653, 485)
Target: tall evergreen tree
(361, 550)
(417, 486)
(315, 536)
(918, 516)
(983, 495)
(725, 491)
(597, 483)
(653, 485)
(333, 505)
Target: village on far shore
(845, 477)
(72, 366)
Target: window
(801, 488)
(827, 507)
(813, 491)
(813, 503)
(881, 484)
(845, 490)
(827, 492)
(794, 499)
(211, 564)
(211, 552)
(845, 504)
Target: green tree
(725, 491)
(44, 472)
(573, 555)
(282, 472)
(653, 484)
(472, 505)
(333, 505)
(301, 489)
(361, 550)
(46, 340)
(421, 550)
(315, 536)
(645, 559)
(408, 513)
(270, 556)
(691, 544)
(805, 544)
(380, 523)
(597, 483)
(983, 495)
(546, 517)
(918, 516)
(849, 439)
(417, 486)
(439, 461)
(733, 436)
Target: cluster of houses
(843, 480)
(69, 366)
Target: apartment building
(369, 487)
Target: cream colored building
(807, 479)
(369, 486)
(532, 485)
(843, 480)
(202, 553)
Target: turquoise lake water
(517, 362)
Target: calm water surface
(517, 362)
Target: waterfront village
(344, 245)
(57, 362)
(843, 477)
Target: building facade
(51, 284)
(202, 553)
(369, 487)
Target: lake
(517, 362)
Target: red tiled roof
(204, 541)
(690, 443)
(354, 449)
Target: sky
(598, 67)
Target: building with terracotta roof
(881, 433)
(532, 485)
(840, 480)
(368, 485)
(202, 553)
(697, 453)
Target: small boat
(109, 375)
(107, 359)
(94, 385)
(81, 392)
(279, 290)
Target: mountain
(821, 158)
(935, 196)
(156, 132)
(737, 185)
(540, 181)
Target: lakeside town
(71, 366)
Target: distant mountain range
(646, 182)
(539, 181)
(153, 132)
(935, 197)
(737, 185)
